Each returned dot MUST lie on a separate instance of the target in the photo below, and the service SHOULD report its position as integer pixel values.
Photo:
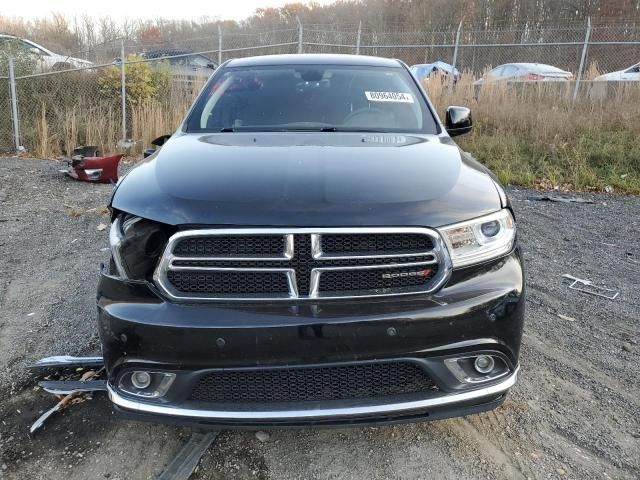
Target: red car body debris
(87, 164)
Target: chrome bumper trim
(266, 415)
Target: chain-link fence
(54, 111)
(6, 141)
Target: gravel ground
(573, 413)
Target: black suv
(311, 248)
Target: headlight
(480, 239)
(136, 244)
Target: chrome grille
(301, 263)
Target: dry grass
(70, 126)
(534, 134)
(55, 125)
(151, 119)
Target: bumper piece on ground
(65, 387)
(67, 361)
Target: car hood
(308, 179)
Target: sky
(121, 9)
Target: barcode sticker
(389, 97)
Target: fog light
(146, 384)
(484, 364)
(140, 379)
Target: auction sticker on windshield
(389, 97)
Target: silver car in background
(525, 72)
(43, 58)
(628, 74)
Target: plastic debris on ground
(187, 459)
(65, 385)
(556, 198)
(587, 286)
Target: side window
(198, 61)
(19, 45)
(496, 72)
(634, 69)
(509, 71)
(32, 48)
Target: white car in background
(45, 59)
(525, 72)
(631, 73)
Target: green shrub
(143, 82)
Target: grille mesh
(313, 383)
(231, 245)
(349, 280)
(380, 244)
(245, 283)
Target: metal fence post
(123, 92)
(455, 56)
(582, 59)
(358, 38)
(299, 34)
(219, 44)
(15, 121)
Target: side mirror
(158, 142)
(458, 121)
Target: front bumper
(481, 310)
(434, 408)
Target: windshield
(200, 61)
(311, 98)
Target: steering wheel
(362, 111)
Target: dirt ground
(573, 414)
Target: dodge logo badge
(420, 273)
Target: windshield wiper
(333, 129)
(354, 130)
(302, 129)
(279, 129)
